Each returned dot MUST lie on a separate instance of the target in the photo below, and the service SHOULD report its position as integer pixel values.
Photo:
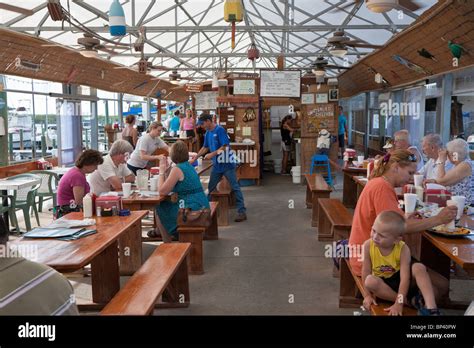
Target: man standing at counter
(216, 147)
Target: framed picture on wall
(321, 98)
(333, 95)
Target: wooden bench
(224, 200)
(164, 273)
(334, 220)
(316, 188)
(352, 292)
(195, 236)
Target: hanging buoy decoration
(116, 19)
(253, 52)
(233, 12)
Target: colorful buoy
(116, 19)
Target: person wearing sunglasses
(393, 170)
(114, 171)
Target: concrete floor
(271, 264)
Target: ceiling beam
(219, 28)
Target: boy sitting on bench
(386, 269)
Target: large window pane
(20, 125)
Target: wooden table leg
(309, 197)
(105, 274)
(130, 245)
(349, 195)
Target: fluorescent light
(174, 82)
(338, 52)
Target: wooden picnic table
(114, 233)
(316, 187)
(437, 252)
(349, 194)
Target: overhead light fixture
(318, 72)
(174, 82)
(338, 51)
(89, 53)
(380, 6)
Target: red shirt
(377, 196)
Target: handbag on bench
(197, 218)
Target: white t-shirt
(149, 145)
(430, 169)
(98, 179)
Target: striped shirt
(29, 288)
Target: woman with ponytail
(393, 170)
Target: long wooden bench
(164, 273)
(316, 188)
(334, 220)
(352, 292)
(195, 236)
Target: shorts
(340, 139)
(285, 147)
(190, 133)
(394, 283)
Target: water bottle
(87, 206)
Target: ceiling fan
(91, 45)
(176, 79)
(339, 42)
(380, 6)
(318, 68)
(12, 8)
(143, 66)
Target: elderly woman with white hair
(460, 179)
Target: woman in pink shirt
(393, 170)
(73, 185)
(188, 124)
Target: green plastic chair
(23, 199)
(48, 188)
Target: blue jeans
(232, 178)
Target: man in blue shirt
(216, 147)
(342, 130)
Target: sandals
(417, 301)
(154, 234)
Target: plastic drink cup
(153, 184)
(127, 189)
(360, 160)
(418, 180)
(450, 226)
(460, 202)
(410, 202)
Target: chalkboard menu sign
(319, 116)
(206, 100)
(278, 83)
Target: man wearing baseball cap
(217, 147)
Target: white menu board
(244, 87)
(206, 100)
(278, 83)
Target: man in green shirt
(29, 288)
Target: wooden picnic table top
(137, 197)
(458, 249)
(354, 170)
(316, 182)
(206, 165)
(69, 256)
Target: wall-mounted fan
(318, 68)
(339, 42)
(380, 6)
(17, 9)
